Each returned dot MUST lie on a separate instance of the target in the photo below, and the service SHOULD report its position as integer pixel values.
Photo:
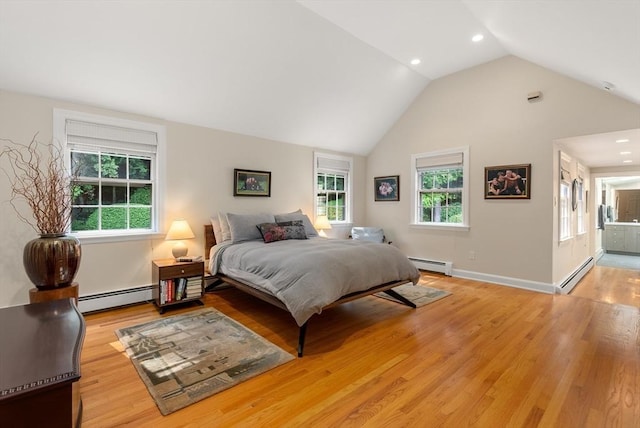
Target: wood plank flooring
(486, 356)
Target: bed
(292, 273)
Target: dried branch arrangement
(38, 175)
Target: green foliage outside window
(331, 196)
(441, 195)
(99, 205)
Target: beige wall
(486, 108)
(199, 179)
(514, 242)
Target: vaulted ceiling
(328, 74)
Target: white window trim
(564, 164)
(60, 116)
(349, 210)
(464, 226)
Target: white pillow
(217, 231)
(243, 227)
(224, 227)
(298, 215)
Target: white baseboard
(508, 281)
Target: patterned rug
(419, 294)
(185, 358)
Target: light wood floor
(486, 356)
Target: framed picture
(387, 188)
(251, 183)
(507, 182)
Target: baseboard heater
(567, 285)
(432, 265)
(113, 299)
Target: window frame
(581, 220)
(565, 212)
(60, 118)
(317, 169)
(416, 200)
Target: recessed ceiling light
(627, 161)
(625, 153)
(624, 140)
(477, 38)
(415, 61)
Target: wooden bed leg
(393, 293)
(301, 336)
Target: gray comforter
(306, 275)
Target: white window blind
(93, 136)
(333, 164)
(449, 159)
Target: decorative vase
(52, 260)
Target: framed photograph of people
(507, 182)
(251, 183)
(387, 188)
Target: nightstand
(176, 282)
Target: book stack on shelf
(194, 287)
(173, 290)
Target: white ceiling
(328, 74)
(605, 150)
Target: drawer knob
(182, 270)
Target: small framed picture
(507, 182)
(387, 188)
(251, 183)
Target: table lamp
(322, 224)
(178, 231)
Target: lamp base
(179, 250)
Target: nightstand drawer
(189, 269)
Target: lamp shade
(179, 230)
(322, 224)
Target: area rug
(621, 261)
(419, 294)
(185, 358)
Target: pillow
(243, 226)
(217, 232)
(224, 227)
(272, 232)
(298, 215)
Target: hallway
(610, 285)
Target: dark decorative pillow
(272, 232)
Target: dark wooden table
(40, 346)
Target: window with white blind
(333, 187)
(117, 167)
(440, 188)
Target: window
(564, 205)
(440, 188)
(116, 192)
(333, 187)
(580, 206)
